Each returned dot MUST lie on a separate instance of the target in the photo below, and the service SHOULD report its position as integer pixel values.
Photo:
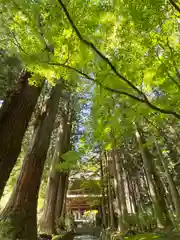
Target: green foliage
(91, 186)
(70, 159)
(9, 67)
(57, 237)
(140, 38)
(6, 230)
(143, 220)
(137, 36)
(146, 236)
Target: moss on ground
(64, 236)
(57, 237)
(148, 236)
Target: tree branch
(97, 82)
(101, 55)
(175, 5)
(113, 68)
(145, 101)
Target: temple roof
(83, 186)
(83, 201)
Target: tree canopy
(117, 64)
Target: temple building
(83, 196)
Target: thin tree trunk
(120, 170)
(63, 211)
(132, 194)
(110, 197)
(130, 202)
(64, 175)
(122, 210)
(153, 180)
(171, 183)
(62, 191)
(14, 118)
(103, 193)
(106, 171)
(147, 188)
(21, 210)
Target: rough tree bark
(14, 117)
(47, 221)
(61, 199)
(64, 175)
(21, 210)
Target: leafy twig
(169, 75)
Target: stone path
(88, 231)
(85, 237)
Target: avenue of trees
(89, 85)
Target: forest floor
(148, 236)
(143, 236)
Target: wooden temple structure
(81, 199)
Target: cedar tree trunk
(14, 117)
(21, 210)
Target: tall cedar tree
(48, 218)
(21, 210)
(14, 117)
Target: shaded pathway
(87, 233)
(85, 237)
(86, 230)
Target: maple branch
(145, 101)
(100, 54)
(97, 82)
(113, 68)
(175, 5)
